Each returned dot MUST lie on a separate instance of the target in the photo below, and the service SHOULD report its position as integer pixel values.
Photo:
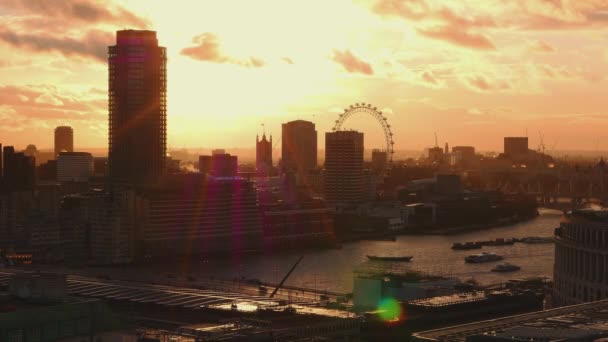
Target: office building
(299, 147)
(379, 161)
(344, 179)
(581, 264)
(214, 215)
(463, 156)
(74, 167)
(435, 155)
(64, 140)
(19, 170)
(138, 108)
(219, 164)
(516, 146)
(263, 156)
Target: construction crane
(285, 277)
(541, 145)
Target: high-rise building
(64, 140)
(138, 108)
(218, 164)
(580, 271)
(263, 155)
(516, 146)
(19, 170)
(299, 147)
(379, 161)
(344, 179)
(74, 167)
(463, 155)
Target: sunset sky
(471, 70)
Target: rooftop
(551, 325)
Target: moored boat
(389, 258)
(482, 257)
(466, 245)
(505, 267)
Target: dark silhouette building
(299, 147)
(344, 180)
(263, 155)
(138, 108)
(19, 170)
(64, 140)
(218, 165)
(516, 146)
(379, 161)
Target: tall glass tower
(138, 108)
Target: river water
(332, 270)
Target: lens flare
(389, 309)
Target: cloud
(207, 48)
(429, 78)
(287, 60)
(458, 37)
(47, 102)
(480, 83)
(447, 24)
(92, 45)
(352, 63)
(541, 46)
(77, 11)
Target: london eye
(366, 108)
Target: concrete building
(74, 167)
(64, 140)
(344, 178)
(379, 161)
(463, 156)
(263, 156)
(435, 155)
(138, 108)
(219, 164)
(299, 147)
(581, 262)
(516, 146)
(216, 215)
(19, 170)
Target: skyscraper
(263, 155)
(138, 108)
(344, 179)
(64, 140)
(299, 147)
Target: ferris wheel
(368, 109)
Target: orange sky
(471, 70)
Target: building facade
(516, 146)
(64, 140)
(138, 108)
(379, 161)
(581, 257)
(263, 156)
(299, 147)
(344, 178)
(218, 164)
(74, 167)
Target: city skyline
(450, 68)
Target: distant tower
(263, 155)
(138, 108)
(64, 140)
(344, 179)
(299, 147)
(446, 150)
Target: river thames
(332, 269)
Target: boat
(483, 257)
(389, 258)
(538, 239)
(505, 267)
(466, 245)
